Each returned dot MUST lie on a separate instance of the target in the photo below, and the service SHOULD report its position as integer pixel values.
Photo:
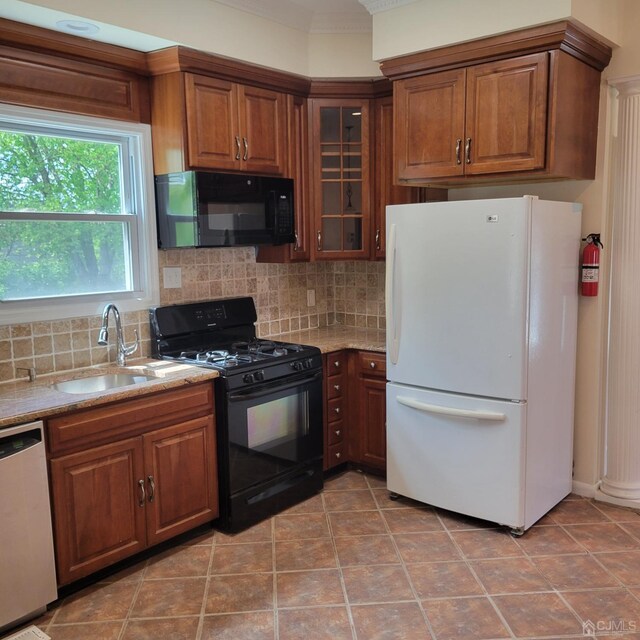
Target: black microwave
(206, 209)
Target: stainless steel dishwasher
(27, 568)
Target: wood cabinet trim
(83, 429)
(184, 59)
(37, 39)
(562, 35)
(350, 89)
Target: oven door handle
(273, 386)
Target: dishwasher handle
(15, 440)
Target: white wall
(217, 28)
(428, 24)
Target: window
(77, 223)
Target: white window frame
(141, 218)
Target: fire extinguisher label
(590, 273)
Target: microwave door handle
(265, 390)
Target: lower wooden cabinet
(113, 500)
(355, 409)
(368, 430)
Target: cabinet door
(506, 125)
(341, 179)
(99, 508)
(263, 121)
(372, 431)
(213, 131)
(298, 125)
(429, 125)
(386, 192)
(181, 479)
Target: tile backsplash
(348, 293)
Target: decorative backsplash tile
(347, 293)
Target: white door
(460, 453)
(457, 278)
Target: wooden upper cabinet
(489, 118)
(385, 191)
(212, 124)
(506, 115)
(512, 107)
(298, 155)
(429, 125)
(201, 122)
(341, 178)
(263, 124)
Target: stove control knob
(297, 365)
(259, 376)
(307, 363)
(248, 378)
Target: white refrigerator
(481, 305)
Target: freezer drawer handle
(450, 411)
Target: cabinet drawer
(336, 455)
(336, 432)
(335, 409)
(99, 425)
(336, 363)
(335, 386)
(372, 364)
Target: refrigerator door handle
(451, 411)
(392, 306)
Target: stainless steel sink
(104, 382)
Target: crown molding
(377, 6)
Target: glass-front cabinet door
(342, 179)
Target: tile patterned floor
(351, 564)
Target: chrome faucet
(103, 337)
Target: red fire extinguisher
(591, 264)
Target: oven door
(273, 428)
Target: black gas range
(268, 404)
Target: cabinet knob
(336, 363)
(373, 365)
(338, 454)
(336, 387)
(337, 409)
(337, 432)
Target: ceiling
(313, 16)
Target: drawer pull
(337, 409)
(373, 365)
(338, 454)
(336, 387)
(337, 432)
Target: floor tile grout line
(207, 584)
(133, 600)
(467, 562)
(408, 577)
(352, 624)
(274, 581)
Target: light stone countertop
(26, 401)
(337, 337)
